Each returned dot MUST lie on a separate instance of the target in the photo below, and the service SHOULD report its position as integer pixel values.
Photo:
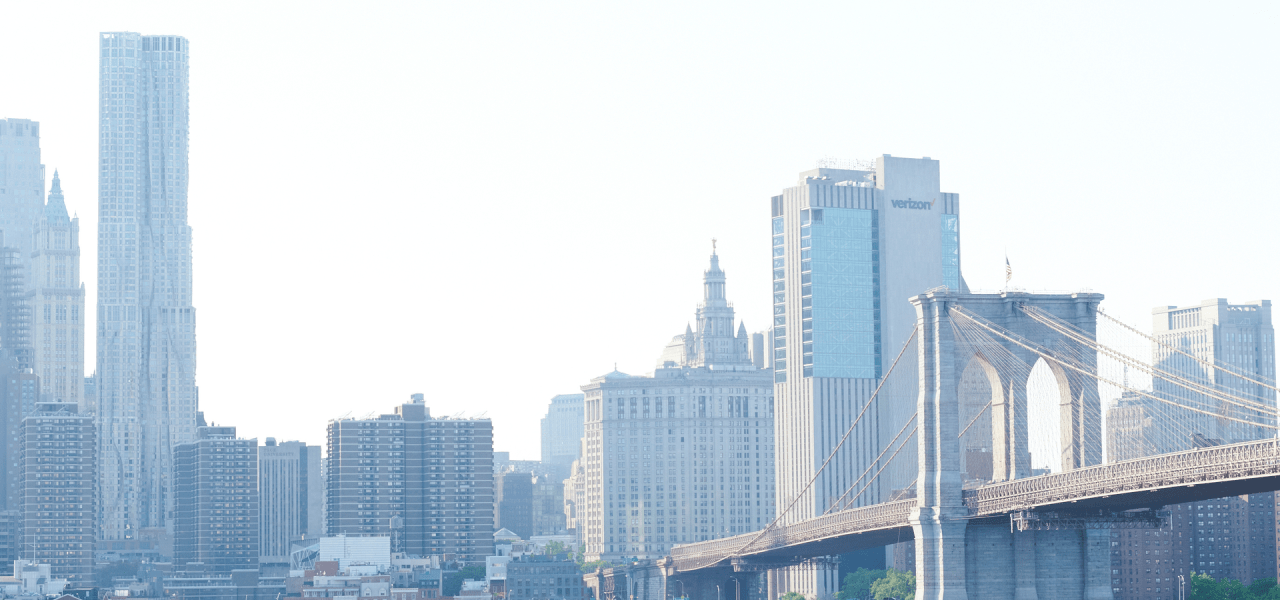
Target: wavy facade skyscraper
(146, 323)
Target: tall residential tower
(146, 367)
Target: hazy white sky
(492, 203)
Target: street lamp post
(1182, 588)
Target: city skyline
(1139, 194)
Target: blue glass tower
(850, 246)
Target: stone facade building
(426, 482)
(56, 297)
(685, 454)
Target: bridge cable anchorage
(1196, 387)
(914, 330)
(1212, 365)
(1014, 338)
(875, 462)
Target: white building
(686, 454)
(56, 297)
(292, 497)
(562, 433)
(146, 366)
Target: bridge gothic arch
(948, 346)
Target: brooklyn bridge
(1011, 531)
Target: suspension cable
(962, 312)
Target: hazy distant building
(56, 297)
(575, 500)
(547, 502)
(292, 497)
(1238, 337)
(686, 454)
(21, 182)
(1132, 430)
(216, 501)
(513, 497)
(850, 246)
(59, 470)
(20, 393)
(431, 477)
(562, 432)
(146, 363)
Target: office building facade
(1240, 339)
(59, 476)
(562, 433)
(513, 495)
(432, 478)
(22, 179)
(291, 497)
(216, 502)
(56, 298)
(686, 454)
(850, 246)
(146, 363)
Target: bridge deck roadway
(1200, 474)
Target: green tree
(453, 581)
(1261, 588)
(857, 585)
(792, 596)
(555, 548)
(898, 585)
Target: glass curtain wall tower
(850, 246)
(146, 325)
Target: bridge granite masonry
(1023, 538)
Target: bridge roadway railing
(865, 518)
(1202, 465)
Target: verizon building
(850, 246)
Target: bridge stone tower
(942, 530)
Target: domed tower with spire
(715, 344)
(57, 301)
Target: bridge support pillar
(940, 555)
(1097, 564)
(1024, 565)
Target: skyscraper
(426, 482)
(21, 182)
(292, 497)
(1237, 337)
(216, 501)
(686, 454)
(850, 246)
(58, 472)
(146, 365)
(562, 433)
(56, 297)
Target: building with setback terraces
(683, 455)
(428, 483)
